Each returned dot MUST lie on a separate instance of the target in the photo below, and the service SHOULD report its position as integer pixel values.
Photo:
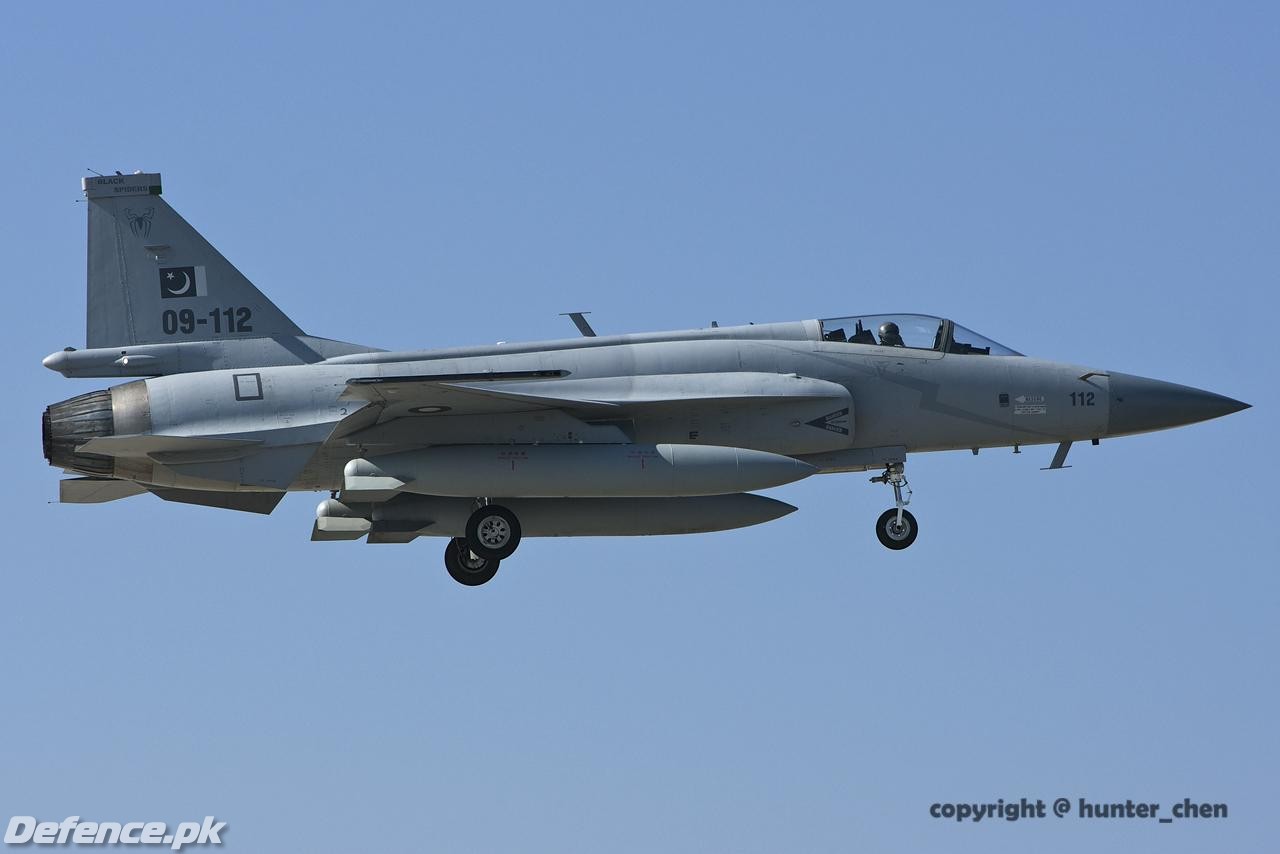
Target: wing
(460, 394)
(169, 449)
(552, 407)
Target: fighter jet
(652, 433)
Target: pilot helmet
(888, 328)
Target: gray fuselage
(919, 400)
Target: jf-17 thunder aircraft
(653, 433)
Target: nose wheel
(896, 528)
(894, 532)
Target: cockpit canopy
(912, 331)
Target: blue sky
(1094, 183)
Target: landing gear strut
(896, 527)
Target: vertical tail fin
(154, 279)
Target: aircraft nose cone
(1140, 405)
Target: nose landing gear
(896, 528)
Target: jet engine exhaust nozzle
(68, 425)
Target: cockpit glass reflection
(967, 341)
(912, 332)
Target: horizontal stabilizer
(96, 490)
(248, 502)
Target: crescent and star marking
(186, 285)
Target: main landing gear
(896, 527)
(467, 567)
(493, 533)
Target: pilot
(889, 336)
